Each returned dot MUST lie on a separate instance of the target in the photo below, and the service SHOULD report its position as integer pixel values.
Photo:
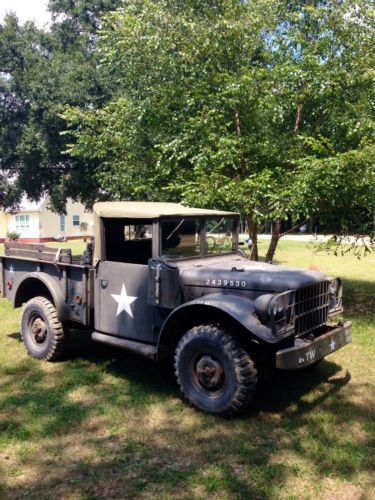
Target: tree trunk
(237, 123)
(253, 235)
(298, 121)
(311, 225)
(274, 241)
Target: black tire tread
(244, 366)
(57, 343)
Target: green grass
(77, 246)
(104, 423)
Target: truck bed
(27, 270)
(38, 251)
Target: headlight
(268, 305)
(334, 286)
(335, 296)
(263, 303)
(277, 307)
(274, 307)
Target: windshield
(220, 236)
(195, 237)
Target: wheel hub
(39, 330)
(209, 373)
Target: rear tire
(41, 330)
(214, 372)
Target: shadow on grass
(85, 363)
(15, 336)
(148, 378)
(359, 296)
(286, 388)
(175, 449)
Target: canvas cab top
(151, 210)
(104, 212)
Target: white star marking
(332, 345)
(123, 301)
(11, 269)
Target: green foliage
(344, 187)
(13, 235)
(81, 16)
(264, 107)
(40, 73)
(261, 107)
(83, 226)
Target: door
(121, 301)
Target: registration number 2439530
(224, 282)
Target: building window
(75, 220)
(62, 223)
(22, 223)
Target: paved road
(292, 237)
(308, 238)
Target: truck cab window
(221, 235)
(128, 240)
(181, 238)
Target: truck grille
(311, 307)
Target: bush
(83, 228)
(13, 235)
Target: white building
(35, 223)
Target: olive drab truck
(171, 283)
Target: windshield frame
(203, 253)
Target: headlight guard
(278, 311)
(335, 297)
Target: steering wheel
(210, 243)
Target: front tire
(41, 330)
(214, 372)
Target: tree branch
(293, 228)
(237, 123)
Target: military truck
(173, 284)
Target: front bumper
(306, 353)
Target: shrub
(13, 235)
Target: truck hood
(235, 273)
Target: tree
(41, 72)
(262, 107)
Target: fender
(52, 287)
(237, 307)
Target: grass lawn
(103, 423)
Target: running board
(146, 350)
